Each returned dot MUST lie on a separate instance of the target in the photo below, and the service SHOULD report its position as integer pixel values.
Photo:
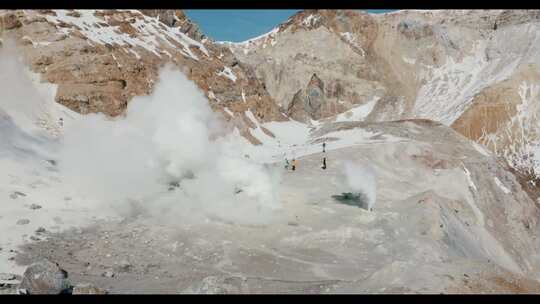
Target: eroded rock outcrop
(100, 59)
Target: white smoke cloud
(362, 179)
(171, 135)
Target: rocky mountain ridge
(100, 59)
(474, 70)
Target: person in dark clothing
(293, 164)
(324, 163)
(324, 147)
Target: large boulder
(45, 277)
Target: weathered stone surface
(45, 277)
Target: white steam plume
(362, 179)
(171, 135)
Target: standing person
(324, 163)
(294, 164)
(286, 164)
(324, 147)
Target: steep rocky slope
(476, 71)
(100, 59)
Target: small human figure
(293, 164)
(324, 163)
(324, 147)
(286, 164)
(61, 122)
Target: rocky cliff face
(476, 71)
(100, 59)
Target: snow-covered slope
(464, 68)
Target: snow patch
(469, 178)
(228, 111)
(350, 38)
(450, 87)
(227, 72)
(501, 186)
(480, 149)
(409, 60)
(150, 34)
(358, 113)
(310, 20)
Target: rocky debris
(108, 274)
(8, 281)
(86, 288)
(174, 185)
(16, 194)
(123, 266)
(215, 285)
(35, 206)
(23, 222)
(41, 230)
(45, 277)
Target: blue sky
(240, 25)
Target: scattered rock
(22, 291)
(35, 206)
(16, 194)
(34, 238)
(40, 230)
(108, 274)
(8, 280)
(23, 222)
(124, 266)
(87, 289)
(45, 277)
(7, 276)
(215, 285)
